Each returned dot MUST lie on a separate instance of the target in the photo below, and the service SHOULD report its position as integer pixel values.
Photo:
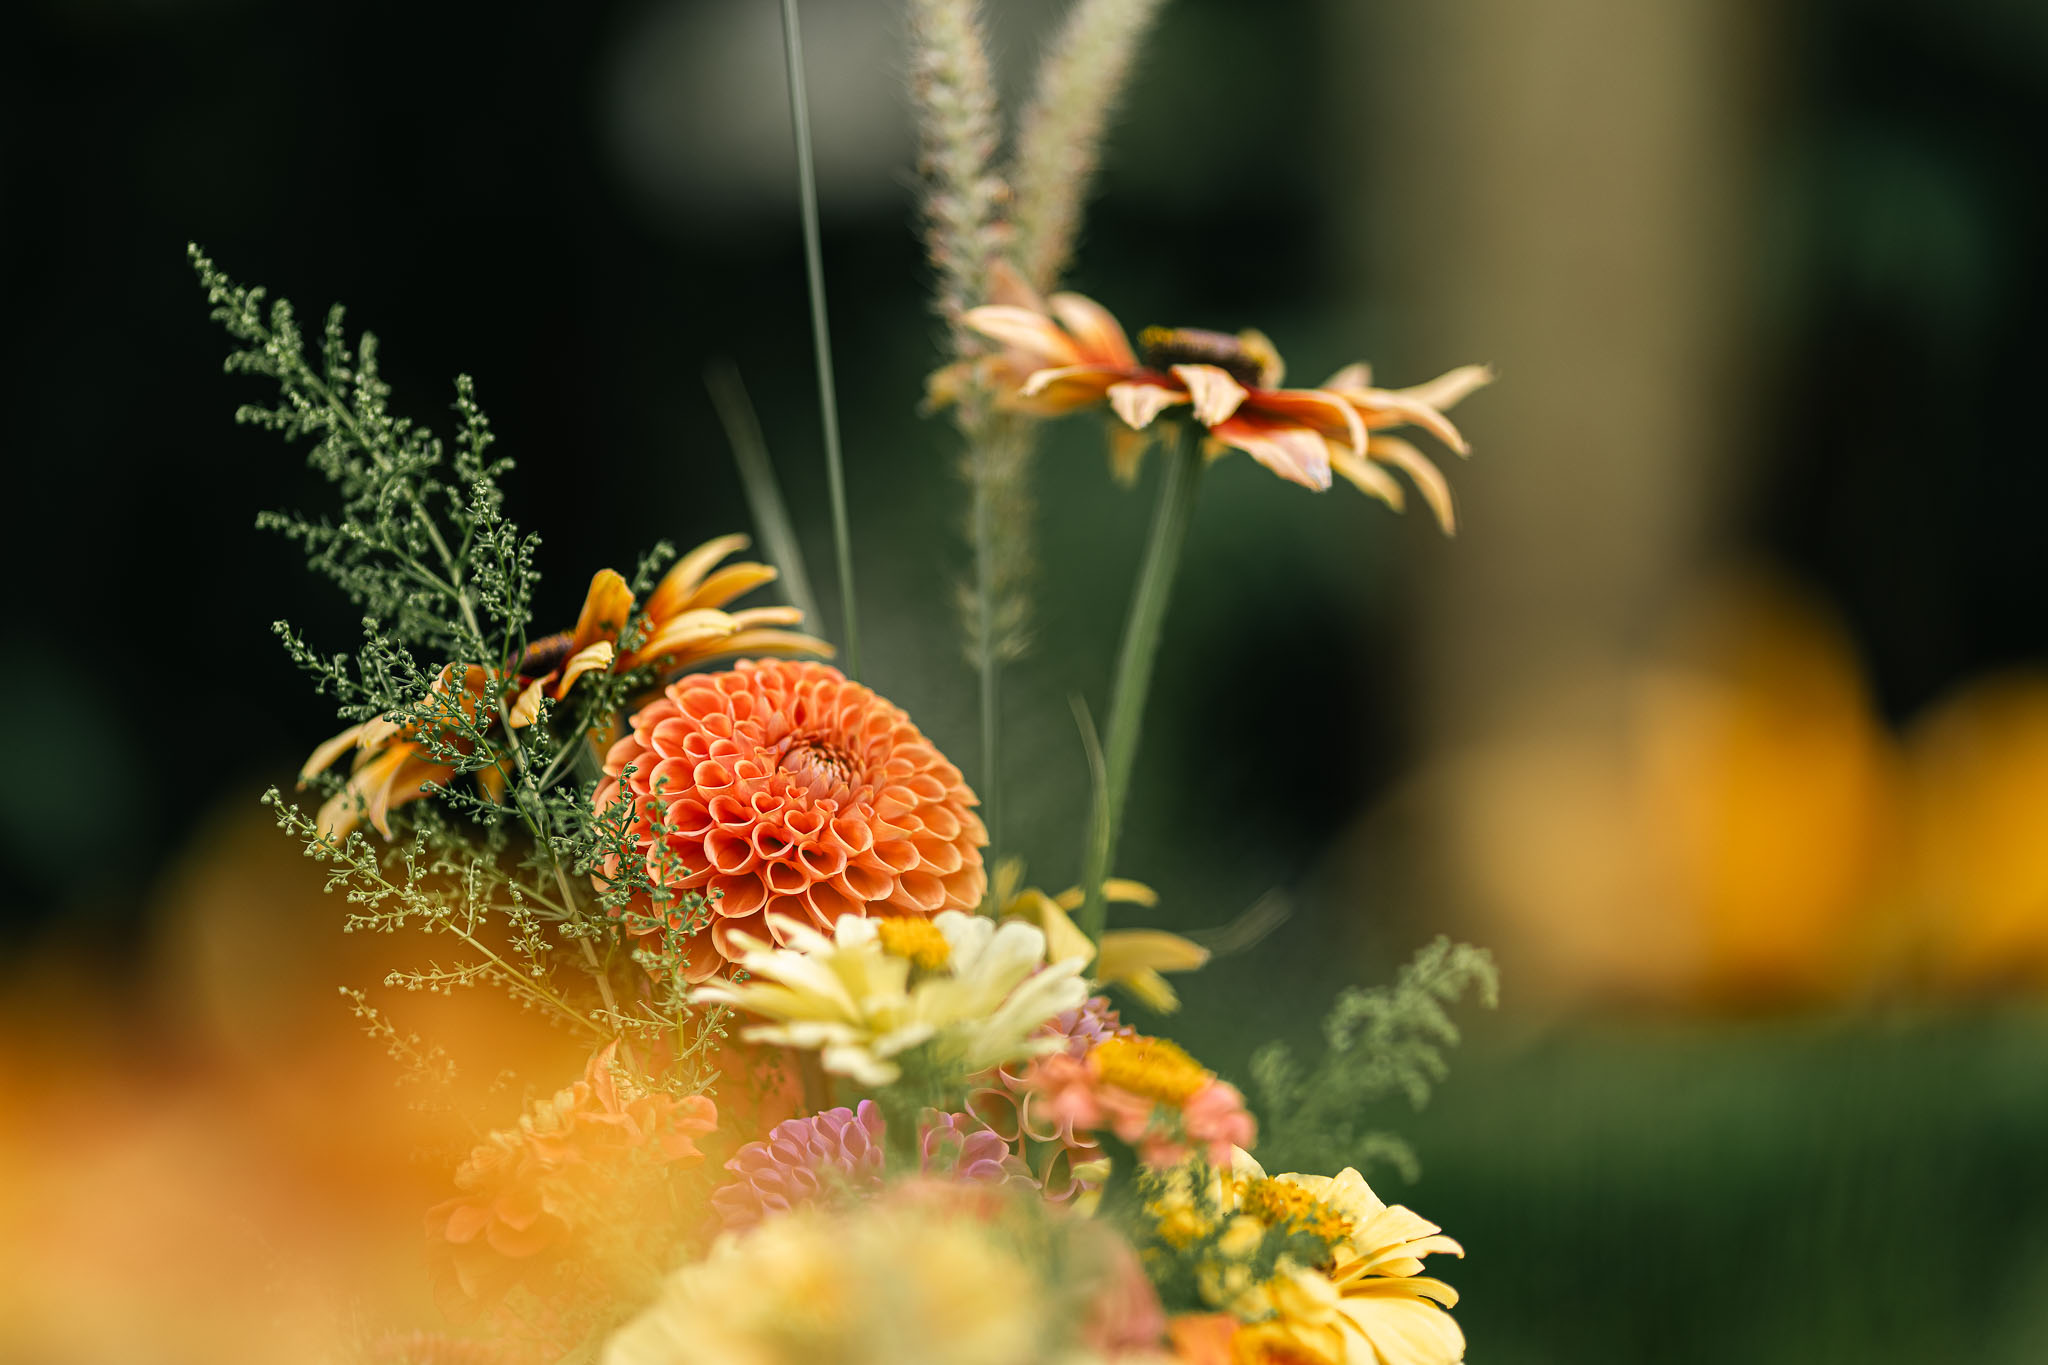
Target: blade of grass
(757, 477)
(821, 332)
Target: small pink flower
(1216, 1117)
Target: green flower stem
(990, 666)
(821, 332)
(1170, 518)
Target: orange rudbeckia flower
(683, 626)
(1069, 353)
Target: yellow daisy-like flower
(872, 991)
(1068, 352)
(685, 625)
(1131, 958)
(1372, 1296)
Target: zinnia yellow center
(917, 939)
(1286, 1205)
(1152, 1067)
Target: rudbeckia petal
(1446, 389)
(1214, 393)
(679, 584)
(734, 580)
(1294, 453)
(594, 659)
(1369, 479)
(526, 710)
(1007, 286)
(1429, 480)
(773, 642)
(1385, 408)
(1138, 402)
(1126, 452)
(1328, 414)
(683, 630)
(1028, 331)
(1064, 387)
(605, 609)
(750, 617)
(322, 758)
(1355, 376)
(1098, 334)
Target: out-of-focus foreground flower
(941, 1275)
(1069, 353)
(1731, 821)
(681, 626)
(973, 992)
(791, 795)
(566, 1164)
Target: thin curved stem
(821, 332)
(1170, 518)
(990, 667)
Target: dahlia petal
(1213, 392)
(1094, 329)
(1428, 479)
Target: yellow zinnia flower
(1372, 1292)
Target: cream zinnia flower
(878, 987)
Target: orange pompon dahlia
(1069, 353)
(527, 1189)
(782, 789)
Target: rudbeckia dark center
(1248, 358)
(544, 655)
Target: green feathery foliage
(1381, 1042)
(500, 861)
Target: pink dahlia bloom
(1009, 1106)
(805, 1160)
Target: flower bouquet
(855, 1090)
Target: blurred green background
(1763, 287)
